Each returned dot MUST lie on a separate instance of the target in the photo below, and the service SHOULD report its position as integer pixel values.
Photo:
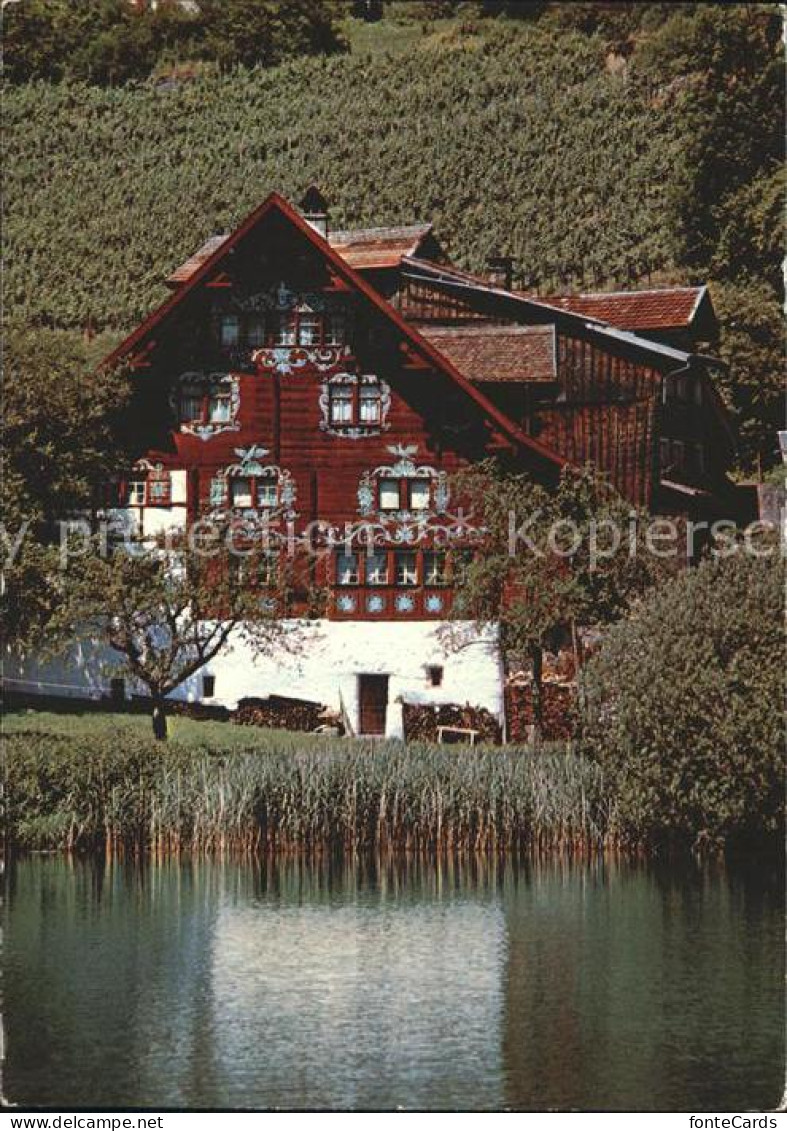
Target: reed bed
(296, 793)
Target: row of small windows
(403, 568)
(201, 406)
(253, 492)
(404, 494)
(355, 405)
(283, 328)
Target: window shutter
(159, 488)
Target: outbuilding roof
(498, 353)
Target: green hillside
(513, 139)
(591, 162)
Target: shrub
(685, 702)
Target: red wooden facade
(281, 382)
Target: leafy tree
(686, 700)
(166, 613)
(63, 432)
(752, 344)
(110, 42)
(549, 561)
(63, 428)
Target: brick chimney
(314, 207)
(500, 271)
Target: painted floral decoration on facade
(404, 469)
(252, 487)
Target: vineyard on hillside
(515, 139)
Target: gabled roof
(362, 248)
(498, 353)
(667, 308)
(516, 306)
(275, 203)
(378, 247)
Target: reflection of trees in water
(472, 982)
(632, 986)
(106, 980)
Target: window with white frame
(355, 403)
(341, 399)
(405, 568)
(347, 569)
(389, 494)
(241, 491)
(137, 493)
(376, 571)
(435, 568)
(370, 404)
(148, 485)
(419, 491)
(309, 329)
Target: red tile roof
(668, 308)
(497, 353)
(362, 248)
(378, 247)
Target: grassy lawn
(188, 732)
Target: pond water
(474, 984)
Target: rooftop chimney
(500, 271)
(314, 207)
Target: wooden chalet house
(320, 376)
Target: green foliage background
(686, 700)
(599, 155)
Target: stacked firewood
(421, 721)
(281, 712)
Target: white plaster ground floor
(330, 662)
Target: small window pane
(241, 492)
(309, 330)
(230, 330)
(136, 493)
(419, 495)
(285, 335)
(369, 401)
(434, 569)
(267, 568)
(346, 569)
(266, 493)
(699, 457)
(679, 454)
(191, 406)
(664, 454)
(255, 331)
(406, 570)
(377, 569)
(219, 408)
(389, 494)
(341, 404)
(335, 329)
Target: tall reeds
(298, 793)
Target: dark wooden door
(373, 699)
